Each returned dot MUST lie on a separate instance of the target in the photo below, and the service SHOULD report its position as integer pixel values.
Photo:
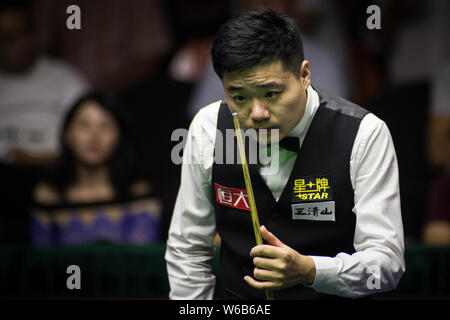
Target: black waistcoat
(324, 154)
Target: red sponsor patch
(232, 197)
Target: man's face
(17, 50)
(268, 96)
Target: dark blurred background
(154, 56)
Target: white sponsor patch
(314, 211)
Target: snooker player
(330, 215)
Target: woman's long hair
(122, 164)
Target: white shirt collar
(312, 103)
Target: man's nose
(259, 111)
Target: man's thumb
(270, 238)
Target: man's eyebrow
(272, 84)
(234, 88)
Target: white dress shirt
(34, 103)
(378, 263)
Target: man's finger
(265, 250)
(267, 263)
(266, 275)
(261, 285)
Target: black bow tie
(290, 143)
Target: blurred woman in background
(94, 193)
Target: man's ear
(305, 74)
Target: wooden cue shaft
(248, 185)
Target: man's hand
(278, 266)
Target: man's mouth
(265, 128)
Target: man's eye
(273, 94)
(239, 99)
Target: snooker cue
(248, 185)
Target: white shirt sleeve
(190, 246)
(378, 263)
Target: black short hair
(254, 38)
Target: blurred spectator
(208, 89)
(437, 223)
(410, 46)
(35, 92)
(325, 43)
(95, 192)
(439, 124)
(192, 62)
(422, 33)
(367, 50)
(120, 42)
